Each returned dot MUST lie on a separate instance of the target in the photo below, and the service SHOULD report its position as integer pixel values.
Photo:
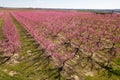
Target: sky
(68, 4)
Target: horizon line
(63, 8)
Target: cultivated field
(59, 45)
